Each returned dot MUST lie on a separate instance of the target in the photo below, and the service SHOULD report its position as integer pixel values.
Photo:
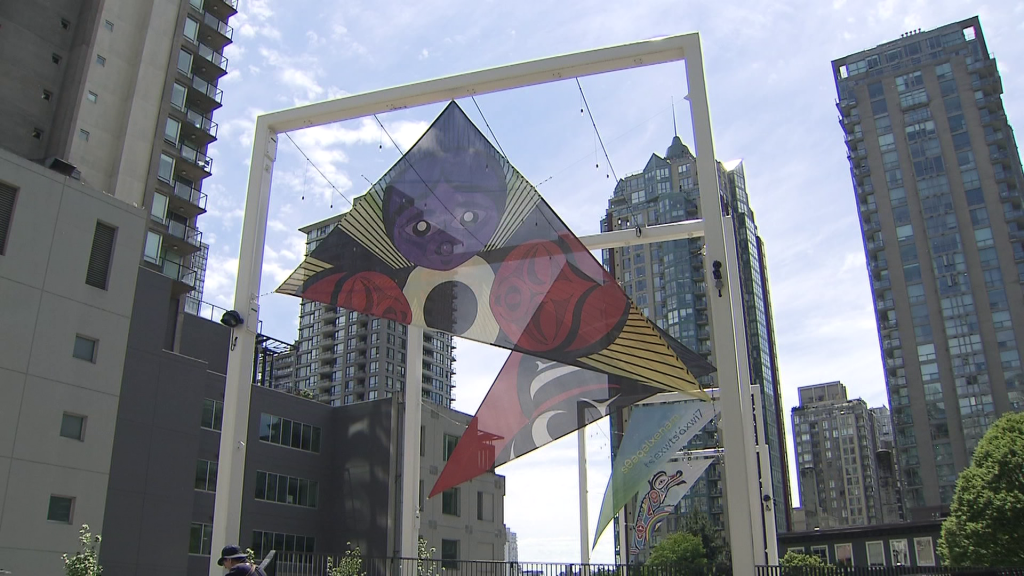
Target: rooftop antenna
(675, 130)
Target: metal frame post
(226, 524)
(737, 432)
(411, 419)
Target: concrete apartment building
(667, 281)
(343, 357)
(938, 179)
(840, 464)
(69, 258)
(119, 94)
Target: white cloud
(424, 54)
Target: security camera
(231, 319)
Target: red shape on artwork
(544, 303)
(322, 290)
(375, 294)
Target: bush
(85, 562)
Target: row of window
(288, 433)
(282, 489)
(899, 553)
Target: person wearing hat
(237, 563)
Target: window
(290, 434)
(165, 171)
(100, 256)
(158, 211)
(199, 539)
(152, 251)
(72, 426)
(449, 554)
(55, 58)
(844, 554)
(171, 130)
(185, 62)
(900, 553)
(485, 506)
(448, 445)
(100, 60)
(178, 94)
(820, 552)
(65, 23)
(60, 509)
(7, 196)
(206, 475)
(83, 135)
(450, 502)
(213, 414)
(85, 349)
(264, 542)
(271, 487)
(91, 97)
(925, 552)
(47, 95)
(108, 25)
(191, 30)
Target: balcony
(853, 138)
(215, 31)
(192, 238)
(198, 128)
(995, 136)
(988, 85)
(981, 65)
(881, 283)
(1013, 215)
(849, 121)
(869, 207)
(211, 66)
(999, 155)
(1018, 255)
(883, 304)
(223, 9)
(994, 118)
(871, 226)
(846, 104)
(876, 245)
(187, 200)
(196, 165)
(991, 102)
(204, 96)
(891, 344)
(184, 277)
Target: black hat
(230, 551)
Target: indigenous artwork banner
(666, 487)
(654, 434)
(534, 402)
(454, 238)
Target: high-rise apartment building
(937, 178)
(839, 460)
(342, 357)
(667, 281)
(119, 94)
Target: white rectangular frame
(748, 535)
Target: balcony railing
(218, 25)
(206, 88)
(876, 244)
(175, 271)
(185, 232)
(201, 121)
(214, 57)
(196, 157)
(190, 194)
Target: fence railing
(884, 571)
(298, 564)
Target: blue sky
(772, 104)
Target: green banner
(654, 434)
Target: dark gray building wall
(912, 534)
(157, 440)
(151, 499)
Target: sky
(772, 100)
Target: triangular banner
(666, 487)
(654, 434)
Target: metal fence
(884, 571)
(294, 564)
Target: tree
(85, 562)
(350, 564)
(798, 560)
(681, 550)
(716, 549)
(984, 527)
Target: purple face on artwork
(444, 207)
